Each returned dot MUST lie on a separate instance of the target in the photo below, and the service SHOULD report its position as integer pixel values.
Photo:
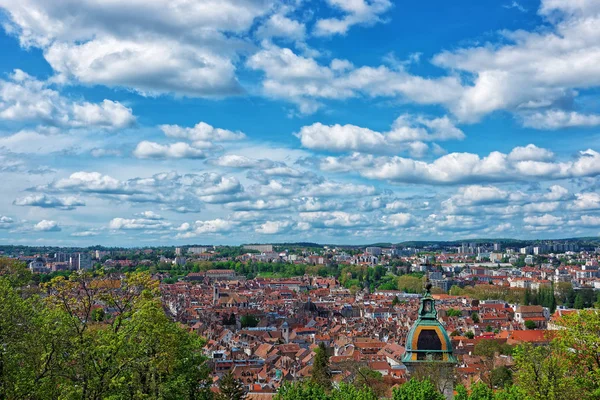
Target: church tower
(428, 347)
(285, 331)
(215, 294)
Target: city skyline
(258, 121)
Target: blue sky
(334, 121)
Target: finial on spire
(428, 286)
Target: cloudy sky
(337, 121)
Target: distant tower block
(429, 349)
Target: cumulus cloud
(333, 219)
(530, 153)
(398, 220)
(543, 220)
(408, 133)
(530, 73)
(215, 226)
(152, 47)
(586, 201)
(557, 192)
(463, 168)
(45, 201)
(280, 26)
(236, 161)
(556, 119)
(6, 222)
(24, 98)
(146, 149)
(359, 12)
(201, 132)
(273, 227)
(47, 226)
(586, 220)
(304, 82)
(137, 223)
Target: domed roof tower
(427, 340)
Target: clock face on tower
(427, 306)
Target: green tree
(543, 372)
(302, 391)
(410, 284)
(321, 373)
(417, 390)
(501, 377)
(249, 321)
(311, 391)
(582, 339)
(488, 350)
(14, 272)
(231, 388)
(451, 312)
(396, 301)
(475, 317)
(469, 335)
(480, 391)
(512, 392)
(373, 380)
(578, 304)
(530, 324)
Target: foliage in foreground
(56, 348)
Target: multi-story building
(263, 248)
(375, 251)
(81, 261)
(197, 250)
(61, 257)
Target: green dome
(427, 340)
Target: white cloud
(153, 46)
(530, 69)
(215, 226)
(530, 153)
(407, 133)
(45, 201)
(586, 201)
(280, 26)
(235, 161)
(302, 81)
(398, 220)
(478, 195)
(201, 132)
(557, 119)
(397, 205)
(544, 220)
(541, 207)
(329, 188)
(258, 205)
(24, 98)
(89, 233)
(146, 149)
(149, 215)
(556, 192)
(47, 226)
(137, 223)
(356, 12)
(41, 141)
(273, 227)
(333, 219)
(90, 182)
(463, 168)
(6, 222)
(587, 220)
